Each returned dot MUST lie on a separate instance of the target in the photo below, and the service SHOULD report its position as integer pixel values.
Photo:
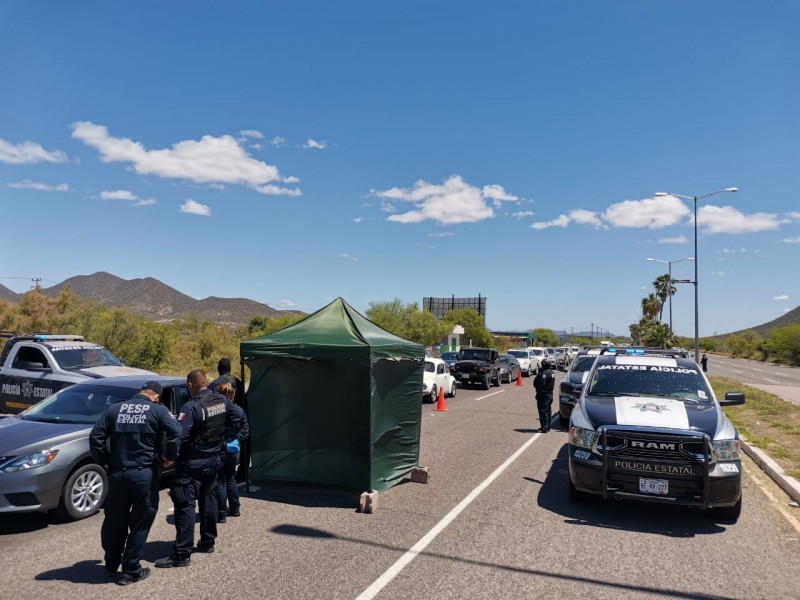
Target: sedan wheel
(84, 492)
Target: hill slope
(155, 300)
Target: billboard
(441, 306)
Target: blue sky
(293, 152)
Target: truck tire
(84, 492)
(575, 495)
(486, 382)
(496, 380)
(729, 513)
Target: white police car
(647, 426)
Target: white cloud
(652, 213)
(720, 273)
(28, 153)
(358, 219)
(791, 240)
(285, 304)
(251, 133)
(785, 310)
(498, 195)
(26, 184)
(453, 202)
(345, 255)
(726, 219)
(210, 160)
(314, 144)
(441, 234)
(117, 195)
(585, 217)
(521, 214)
(277, 141)
(794, 215)
(781, 297)
(561, 221)
(195, 208)
(579, 215)
(678, 239)
(127, 196)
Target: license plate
(465, 376)
(660, 487)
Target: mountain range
(155, 300)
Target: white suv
(537, 356)
(527, 363)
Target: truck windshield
(470, 354)
(83, 358)
(680, 383)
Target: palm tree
(651, 306)
(664, 289)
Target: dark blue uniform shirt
(135, 428)
(193, 417)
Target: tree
(664, 289)
(651, 307)
(657, 335)
(547, 337)
(744, 344)
(407, 321)
(475, 330)
(784, 343)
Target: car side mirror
(732, 399)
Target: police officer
(225, 376)
(204, 419)
(544, 383)
(127, 438)
(227, 490)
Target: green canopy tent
(334, 399)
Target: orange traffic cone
(519, 379)
(441, 404)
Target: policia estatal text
(204, 419)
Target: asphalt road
(781, 380)
(494, 522)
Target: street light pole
(696, 286)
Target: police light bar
(63, 338)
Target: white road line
(759, 370)
(770, 380)
(735, 371)
(489, 395)
(423, 543)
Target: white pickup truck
(34, 366)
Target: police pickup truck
(34, 366)
(647, 426)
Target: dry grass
(767, 421)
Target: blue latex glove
(233, 446)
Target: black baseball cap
(154, 386)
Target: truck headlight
(583, 438)
(727, 449)
(29, 461)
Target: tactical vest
(214, 413)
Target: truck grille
(654, 446)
